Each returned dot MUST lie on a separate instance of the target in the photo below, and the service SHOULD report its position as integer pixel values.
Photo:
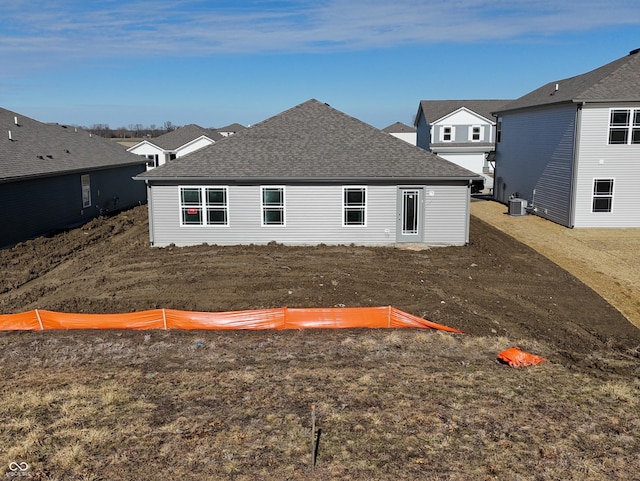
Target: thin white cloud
(37, 30)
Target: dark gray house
(309, 175)
(53, 177)
(571, 148)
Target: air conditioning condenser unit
(517, 206)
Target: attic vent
(40, 157)
(49, 156)
(633, 52)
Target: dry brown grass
(402, 404)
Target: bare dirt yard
(606, 260)
(391, 404)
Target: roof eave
(533, 106)
(58, 173)
(304, 180)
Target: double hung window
(273, 206)
(204, 206)
(354, 206)
(475, 133)
(447, 133)
(602, 195)
(624, 126)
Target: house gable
(463, 116)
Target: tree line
(130, 131)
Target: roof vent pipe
(10, 138)
(557, 87)
(15, 121)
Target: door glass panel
(410, 212)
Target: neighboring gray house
(402, 131)
(53, 177)
(174, 144)
(462, 131)
(309, 175)
(571, 148)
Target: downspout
(495, 162)
(150, 208)
(574, 167)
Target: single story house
(461, 131)
(309, 175)
(571, 148)
(174, 144)
(230, 129)
(402, 131)
(54, 177)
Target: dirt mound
(495, 286)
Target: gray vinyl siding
(534, 160)
(35, 207)
(422, 133)
(599, 160)
(446, 215)
(461, 133)
(313, 216)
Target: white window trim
(453, 133)
(203, 205)
(481, 132)
(594, 195)
(632, 111)
(344, 206)
(284, 206)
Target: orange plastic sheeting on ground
(284, 318)
(517, 358)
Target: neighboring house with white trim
(402, 131)
(230, 129)
(174, 144)
(571, 148)
(309, 175)
(54, 177)
(461, 131)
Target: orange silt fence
(261, 319)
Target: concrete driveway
(607, 260)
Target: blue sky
(84, 62)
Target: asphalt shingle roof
(183, 135)
(310, 142)
(235, 127)
(37, 149)
(436, 109)
(398, 128)
(616, 81)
